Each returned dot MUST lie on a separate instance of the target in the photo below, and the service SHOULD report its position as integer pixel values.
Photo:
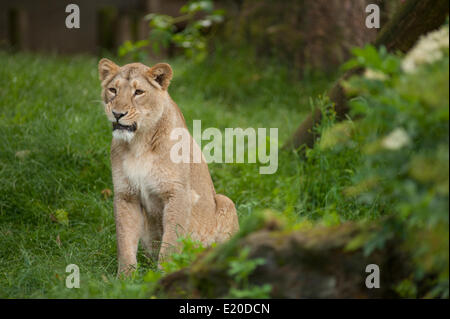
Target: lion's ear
(106, 67)
(161, 73)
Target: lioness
(155, 199)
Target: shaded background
(316, 33)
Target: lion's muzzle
(129, 128)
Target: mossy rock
(322, 262)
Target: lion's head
(134, 95)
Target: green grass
(54, 155)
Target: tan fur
(155, 199)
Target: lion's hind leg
(227, 219)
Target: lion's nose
(119, 115)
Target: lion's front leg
(176, 219)
(129, 225)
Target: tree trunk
(413, 19)
(315, 34)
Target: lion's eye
(112, 90)
(138, 92)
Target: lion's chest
(145, 178)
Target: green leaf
(62, 217)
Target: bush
(403, 140)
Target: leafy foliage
(190, 249)
(197, 16)
(240, 268)
(403, 139)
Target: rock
(316, 263)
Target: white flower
(374, 75)
(427, 50)
(396, 139)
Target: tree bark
(413, 19)
(307, 34)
